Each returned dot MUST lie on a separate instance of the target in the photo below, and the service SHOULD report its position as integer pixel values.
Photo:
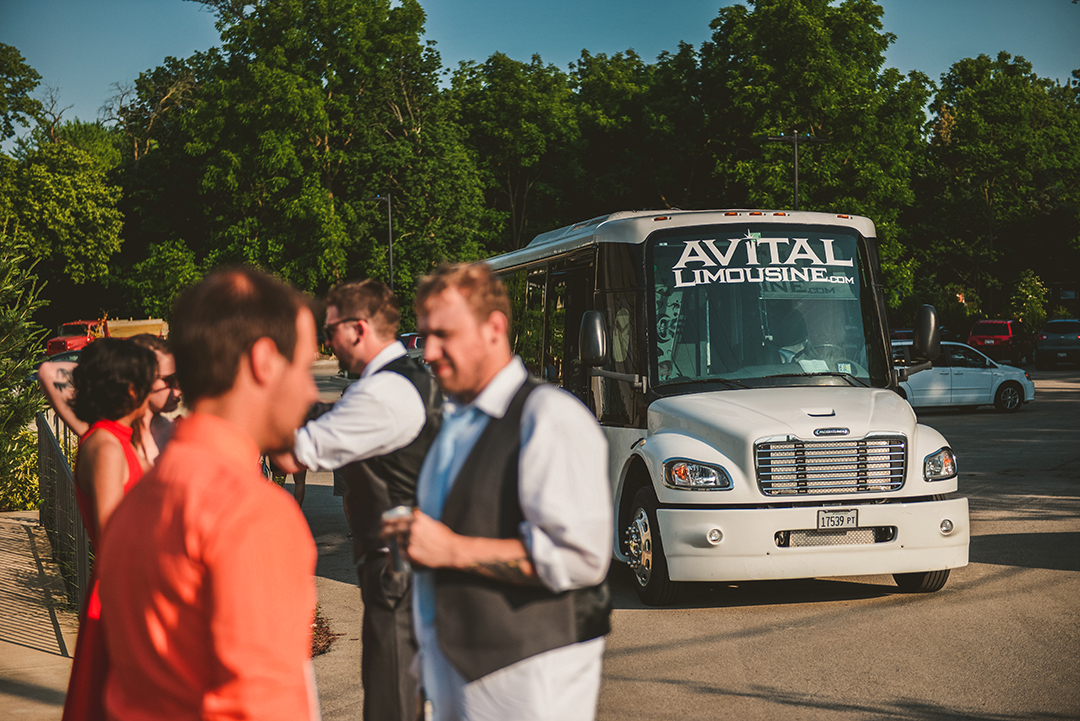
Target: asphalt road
(1001, 641)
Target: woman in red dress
(112, 387)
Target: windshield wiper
(730, 381)
(846, 376)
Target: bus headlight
(940, 465)
(695, 476)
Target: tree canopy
(287, 145)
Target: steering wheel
(820, 351)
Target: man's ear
(498, 323)
(265, 360)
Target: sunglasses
(170, 381)
(330, 328)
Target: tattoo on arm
(518, 571)
(63, 378)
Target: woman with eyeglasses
(165, 396)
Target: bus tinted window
(761, 303)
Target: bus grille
(791, 466)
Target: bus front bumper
(775, 543)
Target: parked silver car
(962, 376)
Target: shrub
(20, 400)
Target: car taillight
(1043, 336)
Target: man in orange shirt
(207, 570)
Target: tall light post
(390, 233)
(794, 139)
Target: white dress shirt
(378, 414)
(566, 502)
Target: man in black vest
(514, 528)
(377, 433)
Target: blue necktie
(455, 425)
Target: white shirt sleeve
(564, 491)
(377, 415)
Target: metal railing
(59, 512)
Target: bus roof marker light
(756, 212)
(662, 217)
(844, 216)
(779, 213)
(730, 213)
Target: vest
(484, 625)
(375, 485)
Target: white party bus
(739, 363)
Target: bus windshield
(753, 306)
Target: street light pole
(389, 232)
(794, 139)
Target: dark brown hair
(113, 378)
(484, 292)
(151, 342)
(217, 321)
(370, 300)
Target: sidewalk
(337, 671)
(37, 630)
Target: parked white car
(962, 376)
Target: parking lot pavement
(1000, 641)
(337, 672)
(37, 629)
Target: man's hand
(286, 462)
(432, 544)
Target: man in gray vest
(377, 433)
(514, 528)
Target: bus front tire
(645, 549)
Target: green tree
(17, 81)
(1028, 300)
(20, 340)
(63, 200)
(102, 143)
(164, 218)
(155, 281)
(521, 126)
(814, 67)
(619, 168)
(311, 109)
(1000, 190)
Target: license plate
(832, 520)
(988, 342)
(1062, 355)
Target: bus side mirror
(592, 340)
(926, 345)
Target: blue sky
(82, 47)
